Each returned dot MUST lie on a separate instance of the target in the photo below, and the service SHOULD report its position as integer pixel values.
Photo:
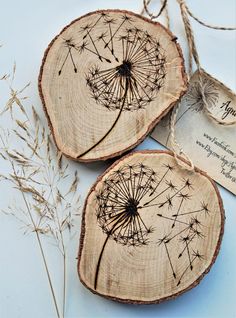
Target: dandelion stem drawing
(112, 126)
(137, 73)
(127, 206)
(118, 204)
(99, 261)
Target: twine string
(145, 5)
(151, 14)
(193, 54)
(206, 24)
(190, 37)
(167, 17)
(175, 146)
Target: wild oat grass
(37, 170)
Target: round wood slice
(106, 80)
(151, 230)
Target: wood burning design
(130, 192)
(111, 73)
(140, 70)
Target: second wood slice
(151, 230)
(106, 80)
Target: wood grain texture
(106, 80)
(150, 231)
(211, 146)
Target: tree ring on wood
(106, 80)
(150, 230)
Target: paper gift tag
(210, 146)
(151, 230)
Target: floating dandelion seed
(129, 190)
(70, 45)
(164, 241)
(118, 206)
(195, 256)
(129, 68)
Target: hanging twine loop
(190, 37)
(175, 146)
(149, 13)
(215, 27)
(152, 16)
(193, 55)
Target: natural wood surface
(211, 146)
(151, 229)
(106, 80)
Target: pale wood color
(151, 230)
(211, 146)
(106, 80)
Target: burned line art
(131, 192)
(140, 71)
(201, 91)
(118, 207)
(128, 67)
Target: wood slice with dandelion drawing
(149, 232)
(106, 80)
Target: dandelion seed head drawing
(194, 98)
(151, 208)
(139, 72)
(116, 74)
(140, 69)
(118, 202)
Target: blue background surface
(26, 28)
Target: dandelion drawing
(138, 73)
(141, 71)
(70, 45)
(133, 196)
(131, 191)
(118, 203)
(128, 67)
(189, 231)
(194, 97)
(200, 92)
